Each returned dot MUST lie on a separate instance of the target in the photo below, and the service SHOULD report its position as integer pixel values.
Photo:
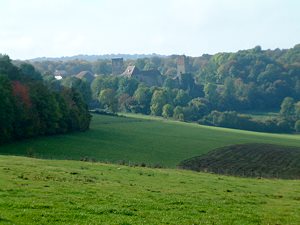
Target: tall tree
(107, 98)
(287, 108)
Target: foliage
(143, 97)
(231, 119)
(80, 86)
(297, 126)
(6, 109)
(287, 109)
(30, 108)
(159, 99)
(253, 79)
(107, 98)
(167, 111)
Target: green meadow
(65, 191)
(35, 191)
(140, 139)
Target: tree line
(215, 89)
(186, 103)
(31, 108)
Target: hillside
(140, 139)
(34, 191)
(251, 160)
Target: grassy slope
(141, 139)
(34, 191)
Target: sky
(55, 28)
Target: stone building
(149, 77)
(182, 65)
(117, 66)
(86, 75)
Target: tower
(117, 66)
(182, 65)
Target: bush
(232, 119)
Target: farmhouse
(149, 77)
(86, 75)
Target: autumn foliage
(21, 92)
(29, 108)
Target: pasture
(35, 191)
(140, 139)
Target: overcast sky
(35, 28)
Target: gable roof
(152, 73)
(87, 75)
(130, 70)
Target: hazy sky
(33, 28)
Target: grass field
(140, 139)
(35, 191)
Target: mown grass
(140, 139)
(34, 191)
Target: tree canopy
(30, 108)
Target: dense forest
(31, 108)
(214, 89)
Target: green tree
(297, 126)
(211, 93)
(195, 110)
(187, 81)
(7, 116)
(297, 110)
(127, 86)
(167, 111)
(127, 103)
(46, 107)
(7, 68)
(171, 83)
(182, 98)
(107, 98)
(159, 99)
(178, 113)
(29, 72)
(140, 63)
(102, 67)
(287, 108)
(143, 97)
(79, 117)
(97, 86)
(80, 86)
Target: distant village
(151, 77)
